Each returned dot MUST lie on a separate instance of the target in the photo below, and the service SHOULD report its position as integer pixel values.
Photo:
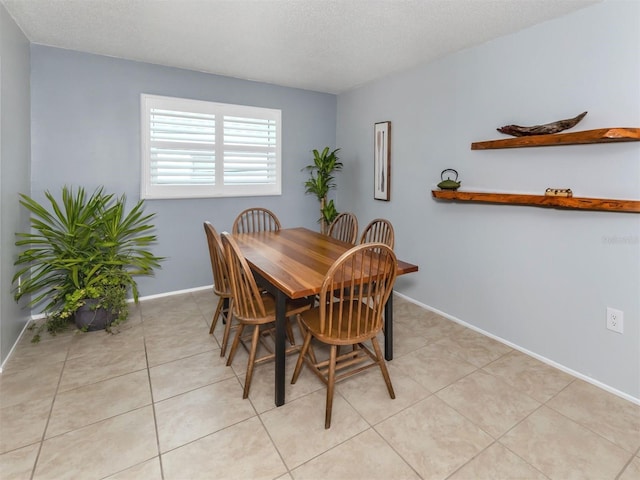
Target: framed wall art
(382, 160)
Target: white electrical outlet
(615, 320)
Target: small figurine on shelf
(449, 184)
(558, 192)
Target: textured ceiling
(323, 45)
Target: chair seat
(293, 307)
(342, 336)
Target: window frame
(218, 189)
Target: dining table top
(296, 260)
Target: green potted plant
(100, 304)
(81, 256)
(321, 181)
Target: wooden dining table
(292, 263)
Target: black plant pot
(90, 319)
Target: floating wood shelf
(575, 203)
(602, 135)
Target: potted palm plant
(81, 258)
(321, 181)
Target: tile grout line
(153, 403)
(626, 465)
(515, 426)
(273, 443)
(496, 440)
(598, 434)
(587, 427)
(373, 427)
(385, 440)
(53, 401)
(542, 404)
(160, 454)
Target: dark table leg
(281, 309)
(225, 310)
(388, 328)
(280, 346)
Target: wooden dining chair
(379, 230)
(345, 228)
(256, 219)
(254, 308)
(350, 319)
(221, 285)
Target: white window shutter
(193, 148)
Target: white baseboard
(15, 344)
(552, 363)
(177, 292)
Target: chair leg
(331, 382)
(216, 315)
(234, 345)
(291, 338)
(383, 366)
(303, 351)
(252, 360)
(303, 330)
(227, 329)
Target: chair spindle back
(379, 230)
(344, 227)
(355, 291)
(256, 219)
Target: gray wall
(86, 131)
(14, 168)
(539, 278)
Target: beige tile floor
(156, 401)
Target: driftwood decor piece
(547, 128)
